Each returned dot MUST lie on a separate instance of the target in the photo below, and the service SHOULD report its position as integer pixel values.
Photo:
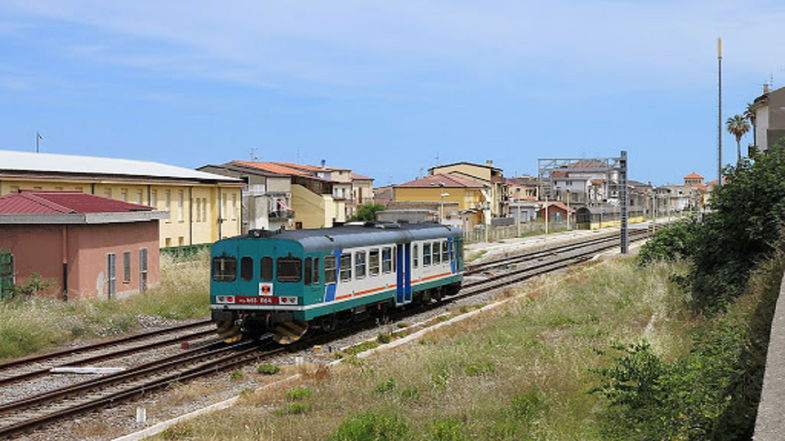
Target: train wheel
(289, 332)
(328, 323)
(229, 331)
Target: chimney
(489, 162)
(765, 88)
(324, 164)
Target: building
(556, 211)
(487, 175)
(307, 199)
(203, 207)
(362, 190)
(577, 184)
(768, 121)
(458, 200)
(88, 246)
(523, 188)
(384, 195)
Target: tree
(737, 126)
(367, 212)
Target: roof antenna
(38, 138)
(252, 154)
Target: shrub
(294, 409)
(675, 241)
(445, 429)
(384, 338)
(267, 369)
(526, 407)
(369, 426)
(361, 347)
(33, 286)
(298, 394)
(385, 386)
(235, 375)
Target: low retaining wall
(770, 423)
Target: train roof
(354, 235)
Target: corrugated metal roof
(52, 162)
(63, 202)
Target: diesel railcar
(287, 282)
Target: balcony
(281, 214)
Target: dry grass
(29, 325)
(518, 372)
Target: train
(285, 283)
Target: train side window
(359, 264)
(308, 270)
(445, 252)
(426, 254)
(267, 269)
(386, 260)
(329, 269)
(346, 267)
(246, 268)
(436, 256)
(224, 269)
(289, 269)
(373, 262)
(315, 270)
(394, 258)
(415, 256)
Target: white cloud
(357, 43)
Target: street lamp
(441, 206)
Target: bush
(235, 375)
(369, 426)
(267, 369)
(676, 241)
(384, 338)
(294, 409)
(298, 394)
(445, 429)
(526, 407)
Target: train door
(403, 292)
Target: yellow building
(202, 207)
(488, 175)
(446, 190)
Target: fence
(510, 231)
(6, 273)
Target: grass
(29, 325)
(519, 372)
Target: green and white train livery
(290, 281)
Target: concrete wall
(178, 230)
(44, 248)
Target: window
(346, 267)
(154, 199)
(180, 204)
(436, 255)
(415, 256)
(111, 275)
(124, 194)
(198, 210)
(108, 192)
(329, 269)
(139, 198)
(426, 254)
(289, 269)
(224, 269)
(315, 270)
(386, 260)
(234, 208)
(168, 204)
(143, 269)
(308, 270)
(445, 252)
(127, 267)
(246, 268)
(204, 209)
(359, 264)
(373, 262)
(267, 269)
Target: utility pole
(624, 203)
(719, 112)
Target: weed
(527, 406)
(410, 393)
(384, 387)
(235, 375)
(464, 309)
(267, 369)
(361, 347)
(480, 368)
(403, 325)
(298, 394)
(445, 429)
(384, 338)
(370, 426)
(294, 409)
(178, 431)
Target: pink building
(89, 246)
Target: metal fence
(507, 232)
(6, 273)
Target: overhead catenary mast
(719, 111)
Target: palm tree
(749, 113)
(737, 126)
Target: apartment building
(488, 176)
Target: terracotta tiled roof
(597, 181)
(449, 181)
(63, 202)
(279, 168)
(693, 176)
(558, 204)
(359, 177)
(311, 168)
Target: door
(142, 269)
(111, 275)
(403, 290)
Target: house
(362, 191)
(88, 246)
(308, 198)
(523, 188)
(489, 176)
(384, 195)
(768, 121)
(556, 211)
(203, 207)
(583, 183)
(458, 200)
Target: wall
(309, 209)
(466, 198)
(173, 232)
(36, 249)
(480, 172)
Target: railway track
(28, 413)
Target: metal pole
(623, 195)
(546, 217)
(719, 112)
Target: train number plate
(252, 300)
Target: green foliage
(294, 409)
(673, 242)
(178, 431)
(300, 393)
(384, 338)
(384, 387)
(369, 426)
(445, 429)
(410, 393)
(366, 212)
(480, 368)
(526, 407)
(267, 369)
(35, 285)
(235, 375)
(361, 347)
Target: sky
(385, 88)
